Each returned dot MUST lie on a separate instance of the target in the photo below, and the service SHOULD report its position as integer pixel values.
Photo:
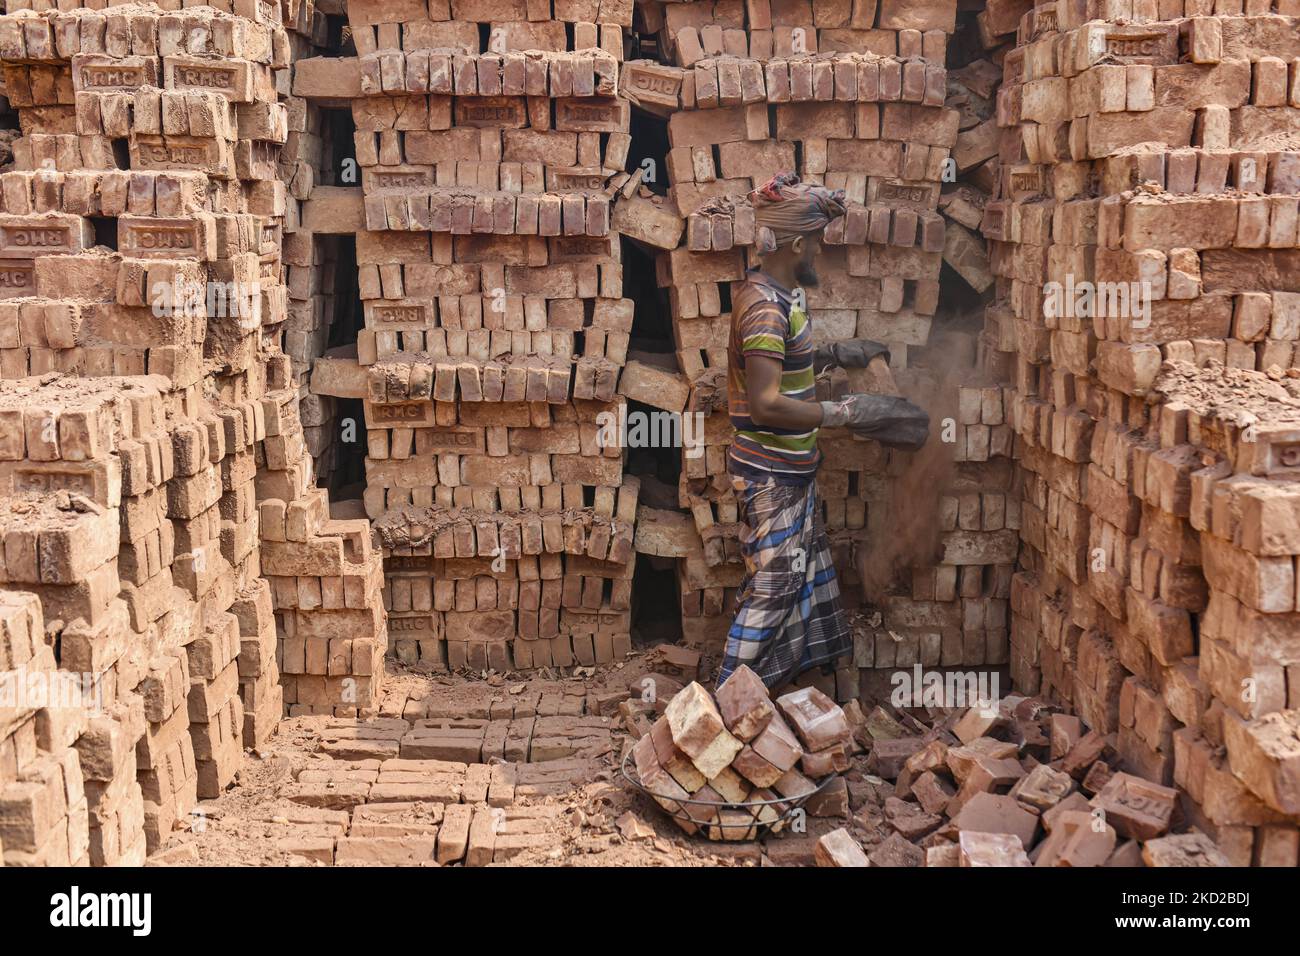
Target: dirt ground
(599, 821)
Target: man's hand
(849, 412)
(888, 419)
(850, 353)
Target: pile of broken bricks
(732, 765)
(1013, 785)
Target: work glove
(892, 421)
(850, 353)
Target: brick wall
(1158, 557)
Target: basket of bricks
(737, 765)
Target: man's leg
(828, 636)
(789, 582)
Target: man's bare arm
(768, 408)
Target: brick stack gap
(311, 268)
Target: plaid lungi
(789, 618)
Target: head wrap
(785, 208)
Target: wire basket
(722, 819)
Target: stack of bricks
(141, 237)
(258, 663)
(44, 819)
(168, 773)
(324, 573)
(212, 507)
(326, 580)
(79, 460)
(161, 594)
(1157, 426)
(406, 811)
(188, 204)
(494, 324)
(451, 289)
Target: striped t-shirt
(764, 321)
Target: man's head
(790, 218)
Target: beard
(806, 274)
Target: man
(789, 618)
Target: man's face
(805, 270)
(799, 258)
